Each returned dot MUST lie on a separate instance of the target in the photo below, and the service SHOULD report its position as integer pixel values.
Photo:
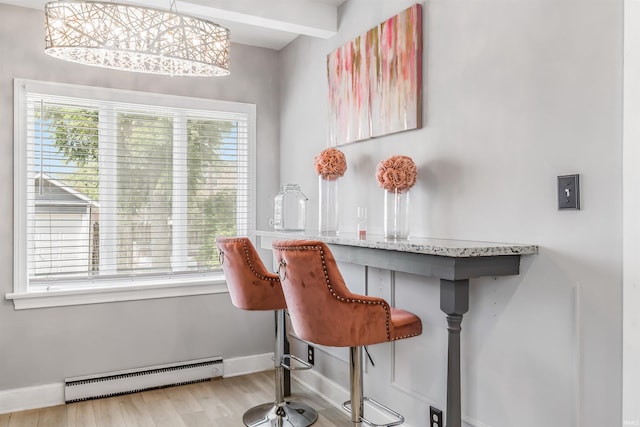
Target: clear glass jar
(290, 209)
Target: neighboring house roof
(57, 193)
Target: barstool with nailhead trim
(323, 311)
(252, 287)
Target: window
(120, 190)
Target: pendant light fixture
(135, 38)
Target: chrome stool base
(355, 406)
(287, 414)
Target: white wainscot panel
(420, 363)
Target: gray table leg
(454, 302)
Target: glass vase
(396, 215)
(328, 203)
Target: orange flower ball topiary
(397, 173)
(330, 164)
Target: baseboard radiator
(135, 380)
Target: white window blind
(130, 190)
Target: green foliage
(145, 189)
(85, 180)
(217, 217)
(145, 181)
(76, 133)
(209, 209)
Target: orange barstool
(323, 311)
(252, 287)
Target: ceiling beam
(295, 16)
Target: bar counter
(454, 262)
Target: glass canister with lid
(290, 209)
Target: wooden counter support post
(454, 301)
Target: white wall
(515, 94)
(631, 326)
(45, 346)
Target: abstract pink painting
(375, 81)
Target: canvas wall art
(375, 81)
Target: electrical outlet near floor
(310, 354)
(435, 417)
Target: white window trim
(123, 289)
(162, 288)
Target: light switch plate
(569, 192)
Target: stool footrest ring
(399, 418)
(289, 367)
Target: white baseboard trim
(335, 394)
(322, 386)
(248, 365)
(42, 396)
(22, 399)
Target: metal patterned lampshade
(135, 38)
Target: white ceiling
(265, 23)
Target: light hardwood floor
(216, 403)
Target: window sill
(68, 297)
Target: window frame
(123, 288)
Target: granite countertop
(419, 245)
